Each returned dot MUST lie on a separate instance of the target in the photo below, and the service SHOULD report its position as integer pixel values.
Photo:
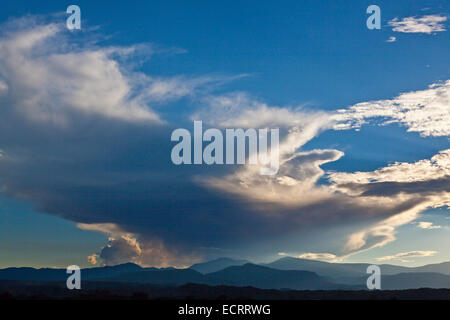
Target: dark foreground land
(91, 290)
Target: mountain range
(341, 270)
(285, 273)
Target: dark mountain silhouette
(26, 273)
(321, 268)
(216, 265)
(246, 275)
(134, 291)
(49, 274)
(415, 280)
(285, 273)
(107, 272)
(403, 281)
(268, 278)
(161, 277)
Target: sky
(86, 176)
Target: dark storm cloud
(79, 140)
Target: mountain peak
(217, 264)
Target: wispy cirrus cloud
(171, 88)
(329, 257)
(319, 256)
(239, 109)
(48, 82)
(425, 24)
(403, 256)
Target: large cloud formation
(82, 138)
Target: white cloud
(167, 89)
(424, 111)
(108, 228)
(391, 39)
(120, 250)
(427, 225)
(239, 110)
(425, 24)
(47, 81)
(438, 167)
(298, 175)
(164, 89)
(125, 247)
(122, 246)
(410, 254)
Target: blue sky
(116, 179)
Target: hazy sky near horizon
(86, 116)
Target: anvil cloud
(82, 138)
